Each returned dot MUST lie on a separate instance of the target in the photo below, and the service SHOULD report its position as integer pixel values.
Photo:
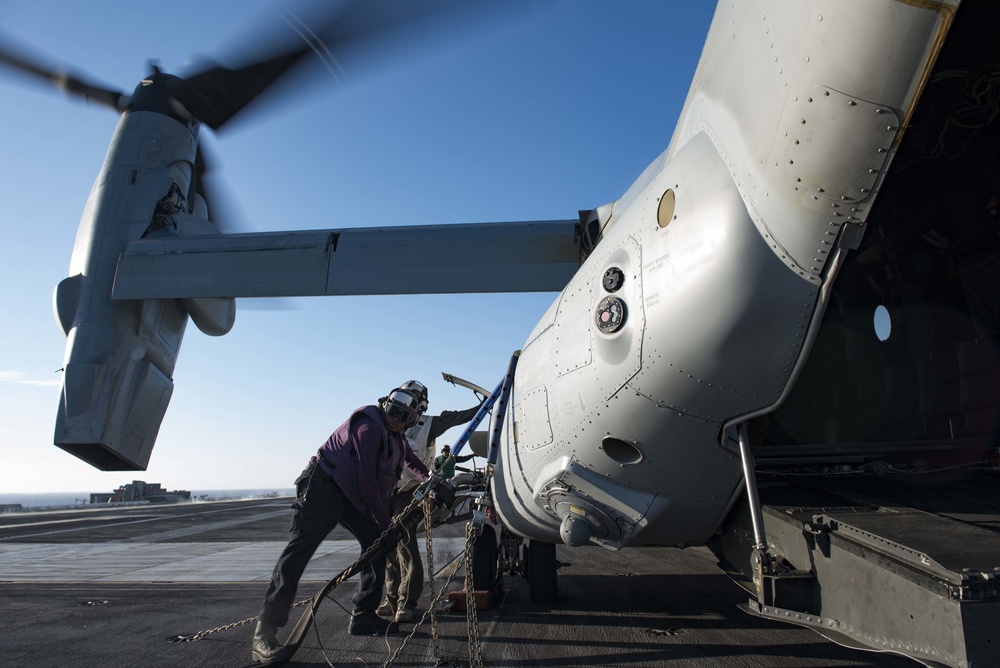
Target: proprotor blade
(18, 58)
(216, 94)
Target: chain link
(435, 634)
(471, 618)
(347, 573)
(475, 651)
(430, 612)
(202, 634)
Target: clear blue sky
(556, 111)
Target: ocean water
(62, 499)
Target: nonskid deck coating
(117, 587)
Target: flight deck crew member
(404, 568)
(349, 481)
(444, 463)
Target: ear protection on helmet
(417, 389)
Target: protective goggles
(402, 406)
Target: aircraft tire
(543, 583)
(484, 561)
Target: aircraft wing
(536, 256)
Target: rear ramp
(909, 567)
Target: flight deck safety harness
(420, 505)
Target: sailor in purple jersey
(365, 471)
(349, 481)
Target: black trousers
(320, 506)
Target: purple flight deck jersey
(365, 460)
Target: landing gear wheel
(485, 561)
(540, 564)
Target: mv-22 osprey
(710, 372)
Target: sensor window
(665, 211)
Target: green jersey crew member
(444, 463)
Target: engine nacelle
(110, 409)
(120, 354)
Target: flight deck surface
(120, 587)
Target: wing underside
(463, 258)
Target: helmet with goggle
(418, 389)
(402, 406)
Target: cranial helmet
(403, 406)
(419, 390)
